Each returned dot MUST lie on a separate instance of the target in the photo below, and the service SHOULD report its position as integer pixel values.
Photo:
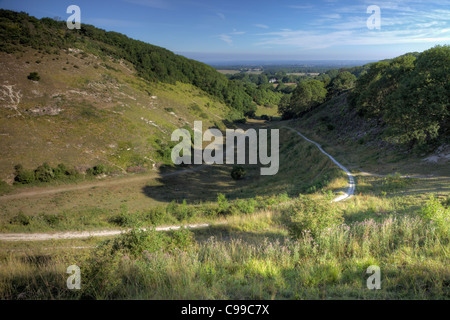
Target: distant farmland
(238, 71)
(303, 74)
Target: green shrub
(60, 171)
(184, 212)
(136, 241)
(436, 213)
(195, 107)
(44, 173)
(34, 76)
(51, 220)
(23, 176)
(223, 204)
(238, 172)
(21, 219)
(308, 215)
(97, 170)
(246, 206)
(124, 218)
(181, 239)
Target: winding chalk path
(351, 179)
(83, 234)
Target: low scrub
(435, 213)
(311, 216)
(46, 173)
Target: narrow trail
(84, 186)
(106, 233)
(83, 234)
(351, 179)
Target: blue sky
(210, 30)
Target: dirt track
(82, 234)
(40, 192)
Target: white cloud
(262, 26)
(226, 38)
(318, 40)
(221, 15)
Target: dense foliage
(153, 63)
(305, 97)
(411, 95)
(46, 173)
(342, 82)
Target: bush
(97, 170)
(224, 206)
(44, 173)
(238, 172)
(309, 215)
(21, 219)
(34, 76)
(436, 213)
(138, 242)
(246, 206)
(124, 218)
(23, 176)
(59, 171)
(184, 212)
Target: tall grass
(412, 255)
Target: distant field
(238, 71)
(303, 74)
(228, 71)
(286, 84)
(261, 110)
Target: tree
(411, 95)
(419, 109)
(306, 96)
(342, 82)
(238, 172)
(284, 107)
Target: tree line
(409, 95)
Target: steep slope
(86, 110)
(87, 105)
(359, 142)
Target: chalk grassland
(358, 144)
(88, 109)
(103, 205)
(258, 247)
(250, 257)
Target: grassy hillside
(359, 142)
(86, 110)
(92, 205)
